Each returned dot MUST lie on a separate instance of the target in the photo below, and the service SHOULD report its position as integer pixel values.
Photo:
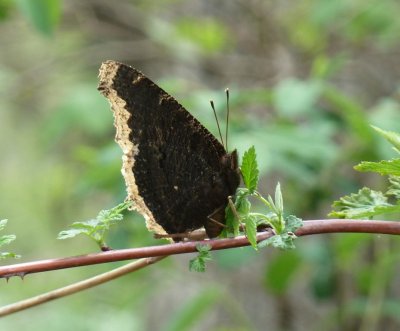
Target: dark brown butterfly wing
(176, 172)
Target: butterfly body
(176, 172)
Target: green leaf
(97, 228)
(292, 223)
(275, 217)
(242, 206)
(43, 14)
(278, 199)
(249, 169)
(385, 167)
(5, 240)
(231, 225)
(390, 136)
(365, 203)
(8, 255)
(282, 241)
(198, 264)
(251, 230)
(394, 188)
(65, 234)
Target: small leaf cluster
(199, 262)
(97, 228)
(239, 218)
(367, 203)
(5, 240)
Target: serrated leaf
(274, 241)
(390, 136)
(96, 228)
(365, 203)
(5, 240)
(394, 188)
(110, 215)
(65, 234)
(385, 167)
(198, 264)
(249, 169)
(203, 249)
(292, 223)
(87, 225)
(278, 199)
(243, 206)
(251, 230)
(282, 241)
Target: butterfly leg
(233, 208)
(215, 222)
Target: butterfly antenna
(227, 118)
(216, 119)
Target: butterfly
(178, 175)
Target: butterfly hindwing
(175, 170)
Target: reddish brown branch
(310, 227)
(345, 225)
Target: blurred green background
(306, 77)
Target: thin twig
(310, 227)
(156, 253)
(77, 287)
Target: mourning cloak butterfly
(177, 173)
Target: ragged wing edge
(107, 73)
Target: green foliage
(199, 262)
(365, 203)
(384, 167)
(240, 219)
(250, 223)
(390, 136)
(249, 169)
(394, 187)
(5, 240)
(43, 14)
(285, 239)
(368, 203)
(239, 213)
(307, 146)
(97, 228)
